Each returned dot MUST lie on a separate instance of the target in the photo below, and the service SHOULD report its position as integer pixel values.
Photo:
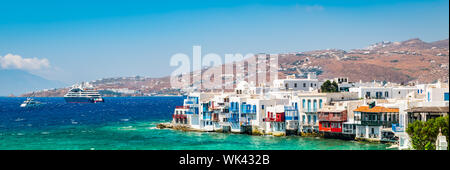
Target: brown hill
(400, 62)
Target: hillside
(400, 62)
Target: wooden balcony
(181, 107)
(332, 116)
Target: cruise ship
(83, 93)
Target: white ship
(83, 93)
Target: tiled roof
(376, 109)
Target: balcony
(279, 117)
(291, 117)
(269, 119)
(333, 117)
(206, 117)
(190, 101)
(289, 108)
(372, 123)
(192, 110)
(310, 110)
(181, 107)
(233, 119)
(248, 109)
(179, 116)
(397, 128)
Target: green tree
(328, 87)
(423, 134)
(334, 87)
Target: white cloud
(17, 62)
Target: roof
(428, 110)
(376, 109)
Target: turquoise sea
(127, 123)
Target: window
(386, 94)
(303, 102)
(446, 96)
(309, 105)
(314, 105)
(262, 106)
(304, 84)
(320, 103)
(311, 84)
(295, 85)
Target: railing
(206, 117)
(179, 116)
(232, 118)
(235, 110)
(289, 108)
(371, 123)
(181, 107)
(324, 116)
(189, 102)
(269, 119)
(291, 117)
(191, 111)
(273, 120)
(344, 130)
(248, 109)
(397, 128)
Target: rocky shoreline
(254, 132)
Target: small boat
(30, 103)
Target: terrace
(333, 116)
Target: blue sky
(85, 40)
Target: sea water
(129, 123)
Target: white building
(309, 84)
(384, 92)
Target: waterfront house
(371, 120)
(309, 104)
(275, 120)
(179, 116)
(331, 122)
(188, 113)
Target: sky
(73, 41)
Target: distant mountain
(440, 44)
(18, 82)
